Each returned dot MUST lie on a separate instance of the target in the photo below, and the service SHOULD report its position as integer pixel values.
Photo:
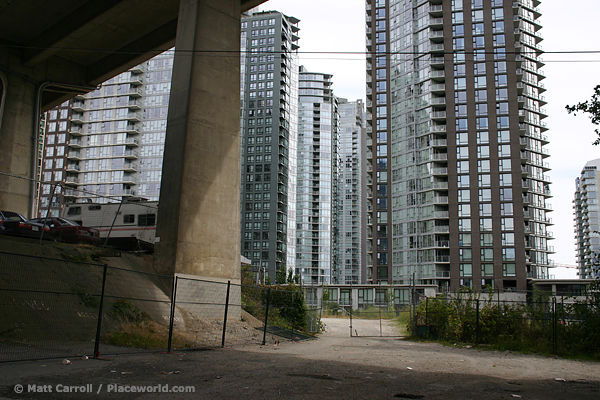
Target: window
(464, 239)
(463, 181)
(466, 269)
(129, 218)
(462, 152)
(508, 239)
(479, 68)
(505, 179)
(481, 109)
(509, 269)
(487, 269)
(487, 254)
(506, 194)
(464, 195)
(486, 239)
(485, 209)
(480, 96)
(146, 219)
(465, 254)
(507, 224)
(464, 224)
(485, 195)
(464, 210)
(484, 180)
(503, 136)
(485, 224)
(506, 209)
(483, 151)
(483, 165)
(504, 165)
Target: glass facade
(316, 250)
(587, 220)
(458, 185)
(269, 107)
(351, 238)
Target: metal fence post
(172, 316)
(266, 316)
(225, 317)
(477, 323)
(100, 309)
(554, 335)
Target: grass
(146, 335)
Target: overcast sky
(339, 26)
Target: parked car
(14, 224)
(69, 231)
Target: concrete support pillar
(199, 212)
(17, 140)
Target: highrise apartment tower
(587, 220)
(269, 106)
(115, 137)
(458, 182)
(352, 206)
(316, 205)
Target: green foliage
(591, 107)
(88, 299)
(126, 311)
(287, 307)
(538, 326)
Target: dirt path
(336, 366)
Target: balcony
(438, 75)
(130, 154)
(73, 168)
(78, 106)
(129, 180)
(437, 48)
(76, 130)
(131, 142)
(134, 116)
(138, 69)
(436, 22)
(438, 115)
(76, 143)
(437, 61)
(135, 92)
(135, 104)
(74, 155)
(436, 35)
(130, 167)
(136, 80)
(440, 200)
(132, 128)
(436, 10)
(128, 192)
(77, 118)
(438, 88)
(72, 180)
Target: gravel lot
(335, 366)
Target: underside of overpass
(51, 50)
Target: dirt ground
(335, 366)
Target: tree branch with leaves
(591, 107)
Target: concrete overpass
(51, 50)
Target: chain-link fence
(540, 322)
(382, 310)
(54, 307)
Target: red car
(14, 224)
(69, 231)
